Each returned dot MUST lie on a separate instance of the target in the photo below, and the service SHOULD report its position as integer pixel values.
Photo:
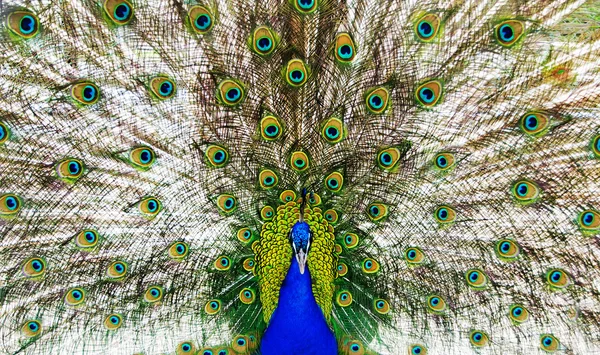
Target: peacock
(279, 177)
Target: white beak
(301, 258)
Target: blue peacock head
(300, 237)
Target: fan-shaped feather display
(299, 177)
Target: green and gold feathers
(153, 154)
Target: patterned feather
(264, 176)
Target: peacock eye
(201, 19)
(178, 250)
(212, 307)
(414, 255)
(34, 267)
(32, 328)
(478, 339)
(230, 92)
(534, 123)
(507, 249)
(334, 182)
(476, 278)
(85, 93)
(518, 314)
(299, 161)
(377, 211)
(342, 269)
(427, 27)
(377, 100)
(75, 296)
(267, 213)
(370, 266)
(271, 128)
(117, 269)
(445, 214)
(595, 145)
(216, 156)
(344, 298)
(113, 321)
(223, 263)
(444, 161)
(549, 343)
(345, 50)
(162, 87)
(331, 216)
(23, 23)
(557, 278)
(296, 73)
(332, 130)
(226, 203)
(589, 221)
(119, 11)
(381, 306)
(429, 93)
(4, 133)
(305, 6)
(508, 32)
(150, 206)
(436, 304)
(418, 350)
(153, 294)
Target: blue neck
(297, 325)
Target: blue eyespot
(434, 301)
(416, 350)
(2, 132)
(219, 156)
(224, 261)
(264, 44)
(122, 12)
(425, 29)
(386, 159)
(474, 276)
(27, 24)
(427, 95)
(412, 255)
(202, 22)
(89, 93)
(556, 275)
(368, 264)
(531, 122)
(233, 94)
(37, 266)
(477, 336)
(442, 162)
(154, 292)
(505, 246)
(11, 203)
(119, 267)
(547, 341)
(332, 133)
(33, 326)
(332, 183)
(522, 189)
(76, 295)
(517, 311)
(306, 4)
(272, 130)
(355, 348)
(214, 305)
(229, 203)
(241, 342)
(376, 102)
(146, 156)
(114, 320)
(443, 214)
(587, 219)
(296, 76)
(506, 33)
(152, 205)
(90, 237)
(166, 88)
(374, 211)
(345, 51)
(186, 347)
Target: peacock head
(300, 237)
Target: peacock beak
(301, 258)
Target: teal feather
(153, 157)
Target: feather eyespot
(239, 344)
(299, 161)
(287, 196)
(25, 24)
(342, 269)
(589, 220)
(150, 207)
(34, 267)
(427, 27)
(85, 93)
(334, 182)
(549, 343)
(331, 216)
(222, 351)
(263, 41)
(227, 203)
(507, 249)
(333, 130)
(370, 266)
(355, 347)
(314, 199)
(270, 128)
(162, 87)
(69, 169)
(445, 214)
(518, 314)
(248, 264)
(267, 179)
(414, 256)
(178, 250)
(267, 213)
(201, 19)
(223, 263)
(185, 347)
(534, 123)
(10, 204)
(345, 50)
(117, 270)
(75, 296)
(525, 191)
(381, 306)
(113, 321)
(119, 11)
(244, 235)
(212, 307)
(429, 93)
(153, 294)
(217, 156)
(508, 32)
(142, 157)
(389, 158)
(417, 349)
(444, 161)
(351, 240)
(478, 338)
(377, 100)
(436, 304)
(87, 238)
(344, 298)
(595, 145)
(296, 73)
(557, 278)
(476, 278)
(32, 328)
(305, 6)
(230, 93)
(377, 211)
(4, 133)
(247, 296)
